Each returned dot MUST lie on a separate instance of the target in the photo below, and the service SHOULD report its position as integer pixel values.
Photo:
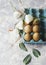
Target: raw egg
(36, 28)
(27, 37)
(36, 36)
(27, 29)
(36, 21)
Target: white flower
(17, 14)
(28, 18)
(20, 25)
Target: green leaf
(20, 32)
(36, 53)
(27, 59)
(22, 46)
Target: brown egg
(36, 36)
(36, 28)
(27, 29)
(36, 21)
(26, 24)
(27, 37)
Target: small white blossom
(20, 25)
(17, 14)
(28, 18)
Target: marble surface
(10, 53)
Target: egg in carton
(33, 28)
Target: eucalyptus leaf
(20, 32)
(22, 46)
(27, 59)
(36, 53)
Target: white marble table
(11, 54)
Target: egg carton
(41, 14)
